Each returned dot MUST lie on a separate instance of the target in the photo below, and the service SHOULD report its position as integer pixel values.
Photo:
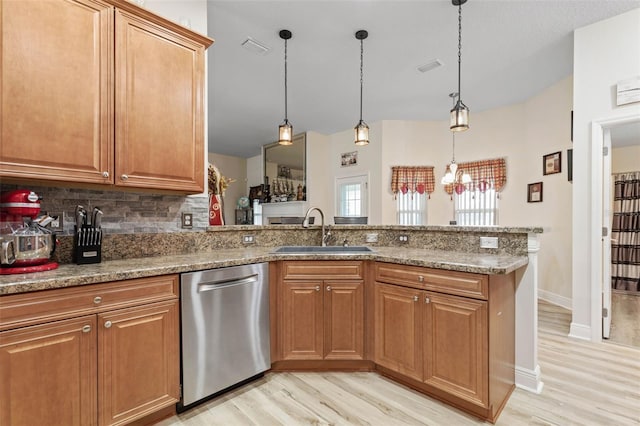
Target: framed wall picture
(349, 159)
(552, 163)
(534, 192)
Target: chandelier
(285, 130)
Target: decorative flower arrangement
(216, 182)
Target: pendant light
(361, 130)
(285, 130)
(459, 180)
(460, 112)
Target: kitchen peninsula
(432, 254)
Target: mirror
(285, 170)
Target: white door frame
(597, 181)
(606, 239)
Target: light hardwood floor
(584, 384)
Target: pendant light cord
(285, 81)
(361, 73)
(459, 46)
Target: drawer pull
(427, 300)
(86, 329)
(317, 288)
(420, 279)
(105, 175)
(97, 300)
(415, 298)
(124, 177)
(107, 324)
(328, 288)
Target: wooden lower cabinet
(48, 374)
(320, 307)
(138, 362)
(322, 320)
(398, 329)
(456, 343)
(455, 346)
(110, 367)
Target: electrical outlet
(57, 224)
(489, 242)
(187, 220)
(372, 238)
(403, 238)
(248, 239)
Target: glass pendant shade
(459, 117)
(285, 133)
(362, 133)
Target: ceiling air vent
(255, 46)
(435, 63)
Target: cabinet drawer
(343, 269)
(451, 282)
(42, 306)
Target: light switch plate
(489, 242)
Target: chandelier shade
(460, 113)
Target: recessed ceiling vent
(430, 65)
(255, 46)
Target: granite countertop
(69, 275)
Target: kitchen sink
(320, 249)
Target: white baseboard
(580, 331)
(529, 380)
(556, 299)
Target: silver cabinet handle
(415, 298)
(107, 324)
(427, 300)
(317, 288)
(97, 299)
(105, 175)
(420, 279)
(86, 329)
(328, 288)
(124, 177)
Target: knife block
(87, 245)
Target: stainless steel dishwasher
(225, 329)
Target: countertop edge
(71, 275)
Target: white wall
(604, 53)
(625, 159)
(522, 133)
(191, 14)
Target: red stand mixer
(25, 246)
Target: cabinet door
(301, 320)
(343, 320)
(48, 374)
(56, 74)
(159, 107)
(398, 329)
(138, 361)
(456, 346)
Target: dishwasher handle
(217, 285)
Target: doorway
(620, 271)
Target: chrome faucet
(305, 222)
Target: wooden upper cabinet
(101, 92)
(56, 74)
(48, 374)
(159, 107)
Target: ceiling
(511, 50)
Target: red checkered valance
(484, 174)
(418, 179)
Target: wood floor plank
(585, 384)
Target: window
(411, 208)
(476, 208)
(352, 196)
